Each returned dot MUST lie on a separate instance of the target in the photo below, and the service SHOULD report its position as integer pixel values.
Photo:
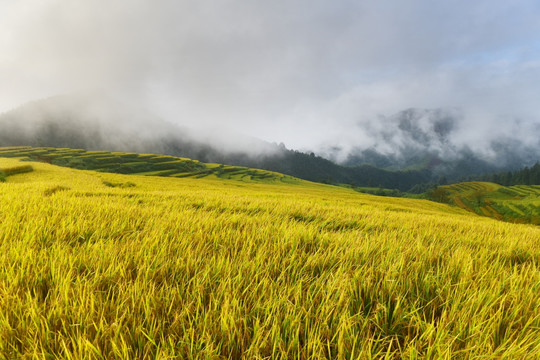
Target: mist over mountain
(104, 123)
(101, 122)
(410, 147)
(443, 140)
(311, 74)
(207, 79)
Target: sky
(308, 73)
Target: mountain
(443, 141)
(93, 123)
(412, 147)
(102, 123)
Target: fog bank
(312, 74)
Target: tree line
(525, 176)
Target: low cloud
(311, 74)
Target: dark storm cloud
(309, 73)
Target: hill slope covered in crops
(519, 203)
(164, 267)
(141, 164)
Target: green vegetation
(520, 203)
(141, 164)
(379, 191)
(525, 176)
(315, 168)
(214, 268)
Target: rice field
(95, 265)
(518, 204)
(140, 164)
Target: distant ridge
(426, 153)
(102, 124)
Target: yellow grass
(179, 268)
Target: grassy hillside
(519, 203)
(165, 267)
(141, 164)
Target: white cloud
(303, 72)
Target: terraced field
(142, 164)
(520, 203)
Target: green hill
(519, 203)
(141, 164)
